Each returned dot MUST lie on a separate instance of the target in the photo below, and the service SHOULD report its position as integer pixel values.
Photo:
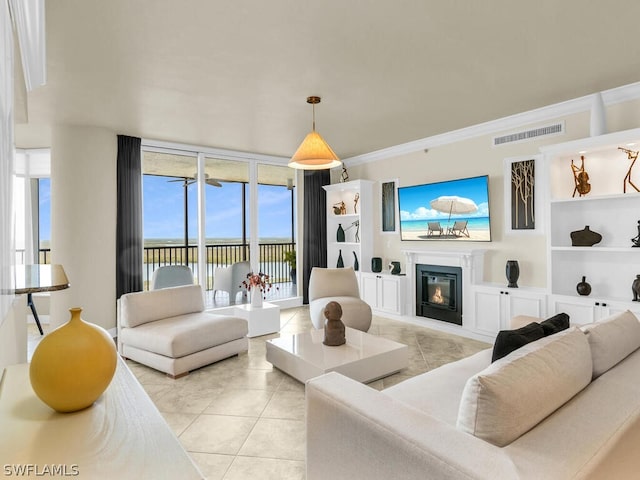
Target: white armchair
(229, 279)
(337, 285)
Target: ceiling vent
(555, 129)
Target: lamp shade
(314, 154)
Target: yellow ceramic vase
(73, 365)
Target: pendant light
(314, 153)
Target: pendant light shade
(314, 153)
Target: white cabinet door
(488, 309)
(580, 310)
(369, 289)
(390, 293)
(496, 306)
(383, 292)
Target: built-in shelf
(588, 198)
(595, 249)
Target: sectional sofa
(562, 407)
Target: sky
(414, 201)
(163, 210)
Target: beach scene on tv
(451, 210)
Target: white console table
(121, 436)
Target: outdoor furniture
(337, 285)
(459, 228)
(435, 227)
(229, 279)
(171, 276)
(169, 330)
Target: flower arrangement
(260, 280)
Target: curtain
(315, 225)
(7, 248)
(129, 217)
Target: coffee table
(363, 358)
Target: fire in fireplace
(439, 293)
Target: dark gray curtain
(129, 217)
(315, 225)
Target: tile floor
(241, 418)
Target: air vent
(555, 129)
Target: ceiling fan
(193, 179)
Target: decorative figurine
(357, 225)
(633, 156)
(339, 208)
(580, 178)
(334, 331)
(355, 203)
(345, 175)
(635, 287)
(636, 240)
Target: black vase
(356, 264)
(394, 268)
(340, 263)
(513, 273)
(340, 233)
(376, 264)
(583, 287)
(585, 237)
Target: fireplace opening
(439, 293)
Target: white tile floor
(241, 418)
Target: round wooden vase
(73, 365)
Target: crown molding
(512, 122)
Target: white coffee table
(262, 321)
(364, 357)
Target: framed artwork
(523, 195)
(389, 209)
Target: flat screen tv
(456, 210)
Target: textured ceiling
(236, 74)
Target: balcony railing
(222, 255)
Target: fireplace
(439, 292)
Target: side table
(262, 321)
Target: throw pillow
(555, 324)
(514, 394)
(612, 339)
(509, 340)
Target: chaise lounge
(169, 330)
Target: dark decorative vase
(635, 286)
(340, 263)
(585, 237)
(376, 264)
(513, 273)
(294, 275)
(583, 287)
(394, 268)
(340, 233)
(356, 264)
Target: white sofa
(169, 330)
(563, 407)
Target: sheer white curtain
(6, 160)
(28, 18)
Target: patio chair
(171, 276)
(435, 227)
(229, 279)
(459, 228)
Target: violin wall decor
(580, 178)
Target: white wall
(13, 333)
(83, 222)
(474, 157)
